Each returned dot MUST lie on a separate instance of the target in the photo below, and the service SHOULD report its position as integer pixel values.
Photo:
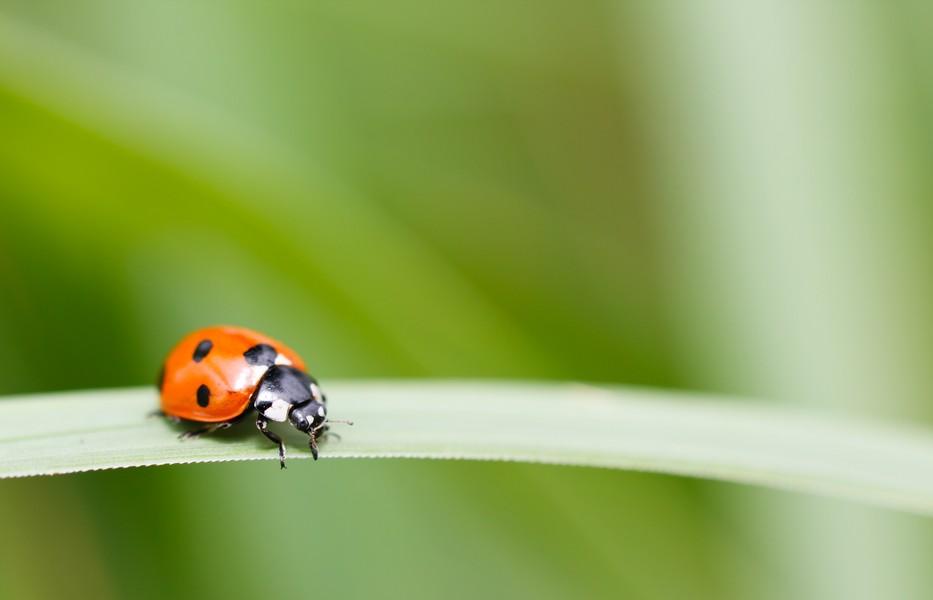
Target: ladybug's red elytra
(219, 375)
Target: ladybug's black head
(309, 417)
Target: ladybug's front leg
(312, 443)
(261, 424)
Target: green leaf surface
(626, 428)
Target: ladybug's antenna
(331, 433)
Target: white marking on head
(281, 360)
(278, 411)
(320, 411)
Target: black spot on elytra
(261, 354)
(201, 351)
(204, 395)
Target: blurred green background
(724, 196)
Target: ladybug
(219, 375)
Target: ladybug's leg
(329, 434)
(313, 445)
(210, 427)
(261, 424)
(170, 418)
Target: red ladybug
(218, 375)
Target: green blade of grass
(626, 428)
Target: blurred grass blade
(625, 428)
